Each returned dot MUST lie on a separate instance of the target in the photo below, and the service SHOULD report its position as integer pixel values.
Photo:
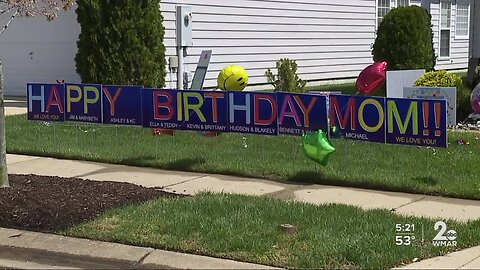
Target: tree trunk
(3, 144)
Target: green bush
(121, 42)
(405, 39)
(287, 79)
(442, 78)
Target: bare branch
(2, 11)
(31, 8)
(9, 21)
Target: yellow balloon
(232, 78)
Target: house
(329, 40)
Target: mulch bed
(51, 204)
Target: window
(384, 6)
(403, 3)
(383, 9)
(445, 24)
(462, 19)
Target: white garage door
(35, 50)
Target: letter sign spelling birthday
(419, 122)
(252, 113)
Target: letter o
(381, 114)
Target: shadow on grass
(318, 178)
(184, 164)
(428, 180)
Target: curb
(82, 253)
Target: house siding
(35, 50)
(458, 46)
(328, 40)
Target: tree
(27, 8)
(121, 42)
(405, 39)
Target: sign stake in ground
(288, 229)
(3, 145)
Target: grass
(449, 172)
(345, 88)
(246, 228)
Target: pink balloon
(475, 99)
(372, 77)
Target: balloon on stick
(232, 78)
(372, 77)
(318, 147)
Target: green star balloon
(318, 147)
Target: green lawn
(345, 88)
(246, 228)
(449, 172)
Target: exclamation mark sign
(426, 114)
(438, 118)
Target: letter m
(393, 113)
(336, 113)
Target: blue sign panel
(160, 108)
(83, 103)
(252, 112)
(300, 113)
(122, 105)
(357, 117)
(204, 110)
(46, 102)
(418, 122)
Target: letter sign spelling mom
(390, 120)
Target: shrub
(287, 79)
(121, 42)
(405, 39)
(442, 78)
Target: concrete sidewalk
(15, 106)
(465, 259)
